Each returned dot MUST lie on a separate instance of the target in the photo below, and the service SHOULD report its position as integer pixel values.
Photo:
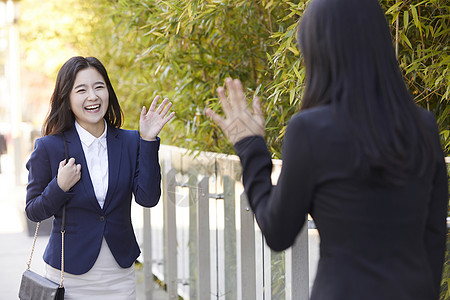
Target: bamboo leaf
(297, 74)
(405, 19)
(443, 32)
(415, 16)
(291, 95)
(294, 50)
(393, 8)
(124, 3)
(405, 39)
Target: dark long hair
(350, 63)
(61, 117)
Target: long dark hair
(61, 117)
(350, 63)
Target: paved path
(15, 242)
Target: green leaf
(415, 15)
(124, 3)
(405, 19)
(405, 39)
(394, 8)
(294, 50)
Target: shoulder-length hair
(351, 64)
(60, 116)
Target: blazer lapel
(76, 151)
(114, 145)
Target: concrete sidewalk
(15, 242)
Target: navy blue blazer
(133, 170)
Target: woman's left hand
(239, 121)
(151, 122)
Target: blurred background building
(24, 94)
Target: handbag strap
(63, 219)
(63, 228)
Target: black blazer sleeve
(279, 210)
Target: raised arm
(279, 210)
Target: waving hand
(151, 122)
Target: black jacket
(377, 241)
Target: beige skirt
(105, 280)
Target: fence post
(230, 238)
(193, 250)
(170, 233)
(248, 266)
(300, 265)
(203, 246)
(148, 274)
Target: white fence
(202, 241)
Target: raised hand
(68, 174)
(239, 122)
(151, 122)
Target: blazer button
(102, 218)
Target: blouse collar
(87, 138)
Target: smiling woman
(84, 82)
(93, 189)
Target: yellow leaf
(294, 50)
(297, 73)
(178, 27)
(394, 7)
(406, 40)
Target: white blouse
(96, 154)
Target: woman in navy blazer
(84, 95)
(360, 157)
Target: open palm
(151, 122)
(239, 122)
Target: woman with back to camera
(360, 157)
(107, 166)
